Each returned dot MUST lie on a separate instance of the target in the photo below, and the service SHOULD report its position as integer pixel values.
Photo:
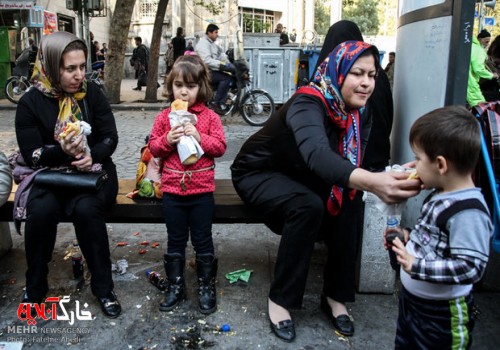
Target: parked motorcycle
(255, 105)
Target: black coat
(300, 141)
(36, 116)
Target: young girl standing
(188, 201)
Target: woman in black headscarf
(379, 106)
(61, 96)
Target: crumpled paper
(120, 267)
(243, 275)
(188, 148)
(392, 209)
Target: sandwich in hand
(413, 176)
(179, 105)
(69, 128)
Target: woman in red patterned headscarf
(301, 172)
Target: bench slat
(229, 208)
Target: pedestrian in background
(283, 36)
(188, 198)
(217, 61)
(477, 70)
(179, 43)
(140, 62)
(389, 68)
(491, 87)
(189, 47)
(484, 38)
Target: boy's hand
(404, 258)
(389, 236)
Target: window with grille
(147, 8)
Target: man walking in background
(140, 61)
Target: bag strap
(445, 215)
(86, 110)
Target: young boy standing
(443, 258)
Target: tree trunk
(118, 35)
(154, 53)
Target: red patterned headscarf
(326, 84)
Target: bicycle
(16, 86)
(255, 105)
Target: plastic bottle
(156, 279)
(77, 261)
(392, 231)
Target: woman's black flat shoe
(342, 323)
(110, 305)
(285, 330)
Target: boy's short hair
(211, 27)
(192, 69)
(451, 132)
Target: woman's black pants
(45, 210)
(299, 214)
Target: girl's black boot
(176, 288)
(206, 267)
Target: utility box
(274, 70)
(72, 4)
(261, 40)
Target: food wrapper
(392, 209)
(243, 275)
(188, 148)
(86, 130)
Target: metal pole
(80, 20)
(86, 30)
(481, 16)
(335, 11)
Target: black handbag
(68, 178)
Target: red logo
(49, 310)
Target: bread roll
(179, 105)
(69, 128)
(413, 176)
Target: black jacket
(300, 141)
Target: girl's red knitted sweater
(213, 143)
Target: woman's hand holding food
(73, 146)
(84, 163)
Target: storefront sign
(50, 22)
(16, 5)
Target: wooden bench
(229, 208)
